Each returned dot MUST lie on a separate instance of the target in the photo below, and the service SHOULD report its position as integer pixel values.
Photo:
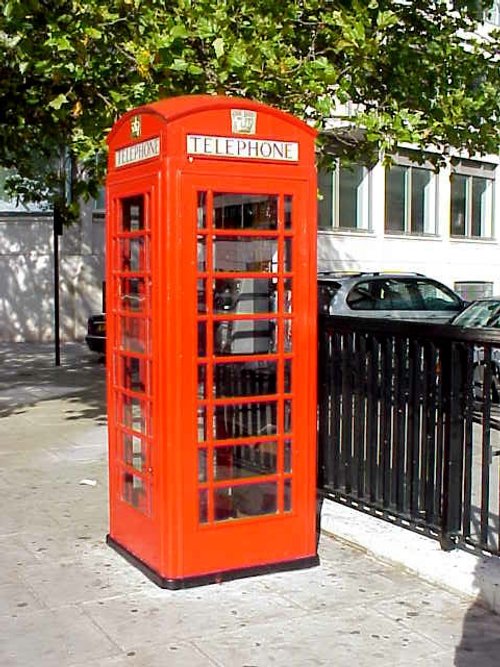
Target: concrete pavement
(68, 599)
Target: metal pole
(57, 340)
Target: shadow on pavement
(480, 642)
(28, 376)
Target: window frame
(470, 170)
(430, 227)
(364, 200)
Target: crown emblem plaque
(243, 121)
(135, 127)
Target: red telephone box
(211, 327)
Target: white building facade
(27, 275)
(410, 217)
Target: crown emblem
(135, 127)
(243, 121)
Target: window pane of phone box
(245, 211)
(237, 502)
(246, 378)
(245, 419)
(239, 461)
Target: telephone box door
(132, 210)
(249, 490)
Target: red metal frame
(192, 504)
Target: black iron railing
(409, 425)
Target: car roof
(339, 275)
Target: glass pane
(134, 451)
(242, 211)
(133, 254)
(241, 253)
(288, 376)
(287, 463)
(245, 379)
(395, 199)
(134, 334)
(420, 200)
(134, 492)
(437, 297)
(132, 294)
(288, 331)
(134, 414)
(288, 416)
(288, 266)
(479, 314)
(243, 337)
(201, 253)
(202, 465)
(243, 295)
(479, 194)
(202, 339)
(133, 214)
(288, 211)
(398, 295)
(245, 419)
(202, 295)
(325, 202)
(202, 381)
(351, 196)
(287, 296)
(202, 424)
(246, 500)
(203, 506)
(201, 213)
(287, 501)
(458, 204)
(134, 374)
(245, 461)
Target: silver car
(399, 296)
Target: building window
(345, 194)
(472, 199)
(410, 198)
(99, 206)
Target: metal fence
(409, 425)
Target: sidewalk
(66, 599)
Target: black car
(484, 314)
(96, 333)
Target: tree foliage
(69, 68)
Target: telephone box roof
(174, 108)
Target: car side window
(383, 295)
(400, 295)
(437, 298)
(364, 296)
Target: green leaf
(218, 45)
(58, 102)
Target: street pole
(57, 233)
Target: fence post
(453, 379)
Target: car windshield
(480, 314)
